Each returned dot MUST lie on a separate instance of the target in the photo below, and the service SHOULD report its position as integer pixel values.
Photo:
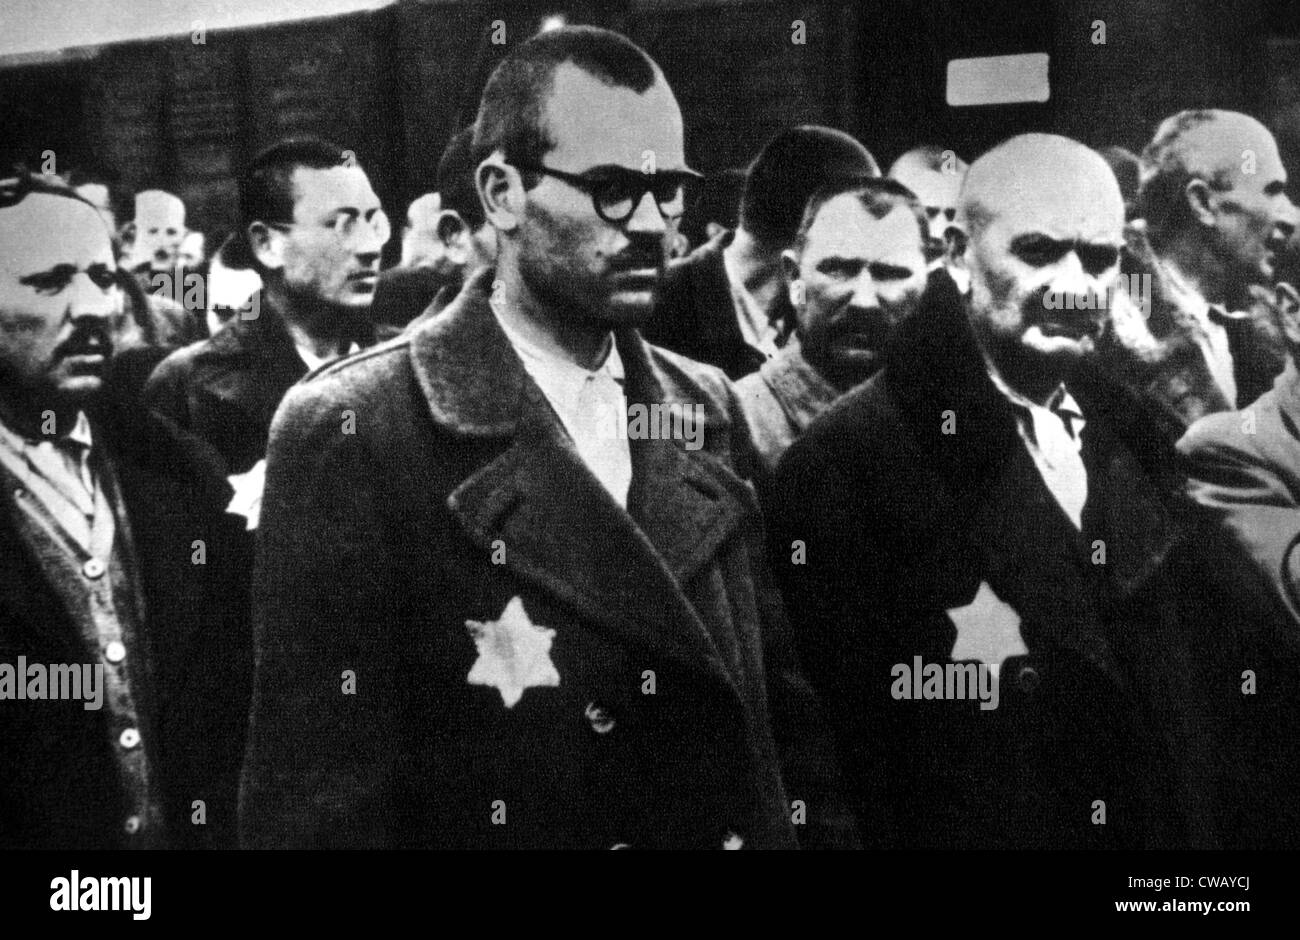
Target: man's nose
(88, 299)
(369, 243)
(865, 294)
(1070, 279)
(1290, 217)
(646, 218)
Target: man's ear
(267, 245)
(793, 283)
(453, 233)
(1200, 199)
(1286, 306)
(501, 190)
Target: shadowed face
(856, 278)
(58, 300)
(570, 257)
(1045, 255)
(329, 255)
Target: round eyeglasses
(616, 191)
(346, 225)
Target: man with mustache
(985, 500)
(312, 227)
(492, 617)
(856, 271)
(1216, 216)
(118, 562)
(724, 303)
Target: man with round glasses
(554, 614)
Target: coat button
(601, 720)
(132, 825)
(93, 568)
(1028, 679)
(115, 652)
(732, 842)
(129, 738)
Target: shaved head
(1023, 173)
(1045, 219)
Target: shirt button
(94, 568)
(132, 825)
(732, 842)
(115, 652)
(601, 721)
(1028, 679)
(130, 738)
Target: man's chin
(629, 308)
(79, 389)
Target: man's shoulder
(687, 379)
(1249, 434)
(862, 421)
(370, 379)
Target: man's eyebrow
(58, 271)
(1039, 240)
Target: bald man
(972, 548)
(1212, 194)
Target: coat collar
(258, 360)
(934, 365)
(802, 391)
(561, 529)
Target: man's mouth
(1074, 328)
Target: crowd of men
(965, 513)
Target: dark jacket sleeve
(165, 392)
(322, 728)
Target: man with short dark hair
(724, 304)
(856, 270)
(976, 550)
(312, 227)
(121, 572)
(553, 617)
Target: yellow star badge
(513, 653)
(988, 630)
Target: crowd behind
(361, 567)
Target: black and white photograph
(864, 430)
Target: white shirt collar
(314, 362)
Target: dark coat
(901, 523)
(1160, 360)
(695, 315)
(60, 785)
(1244, 471)
(377, 554)
(226, 389)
